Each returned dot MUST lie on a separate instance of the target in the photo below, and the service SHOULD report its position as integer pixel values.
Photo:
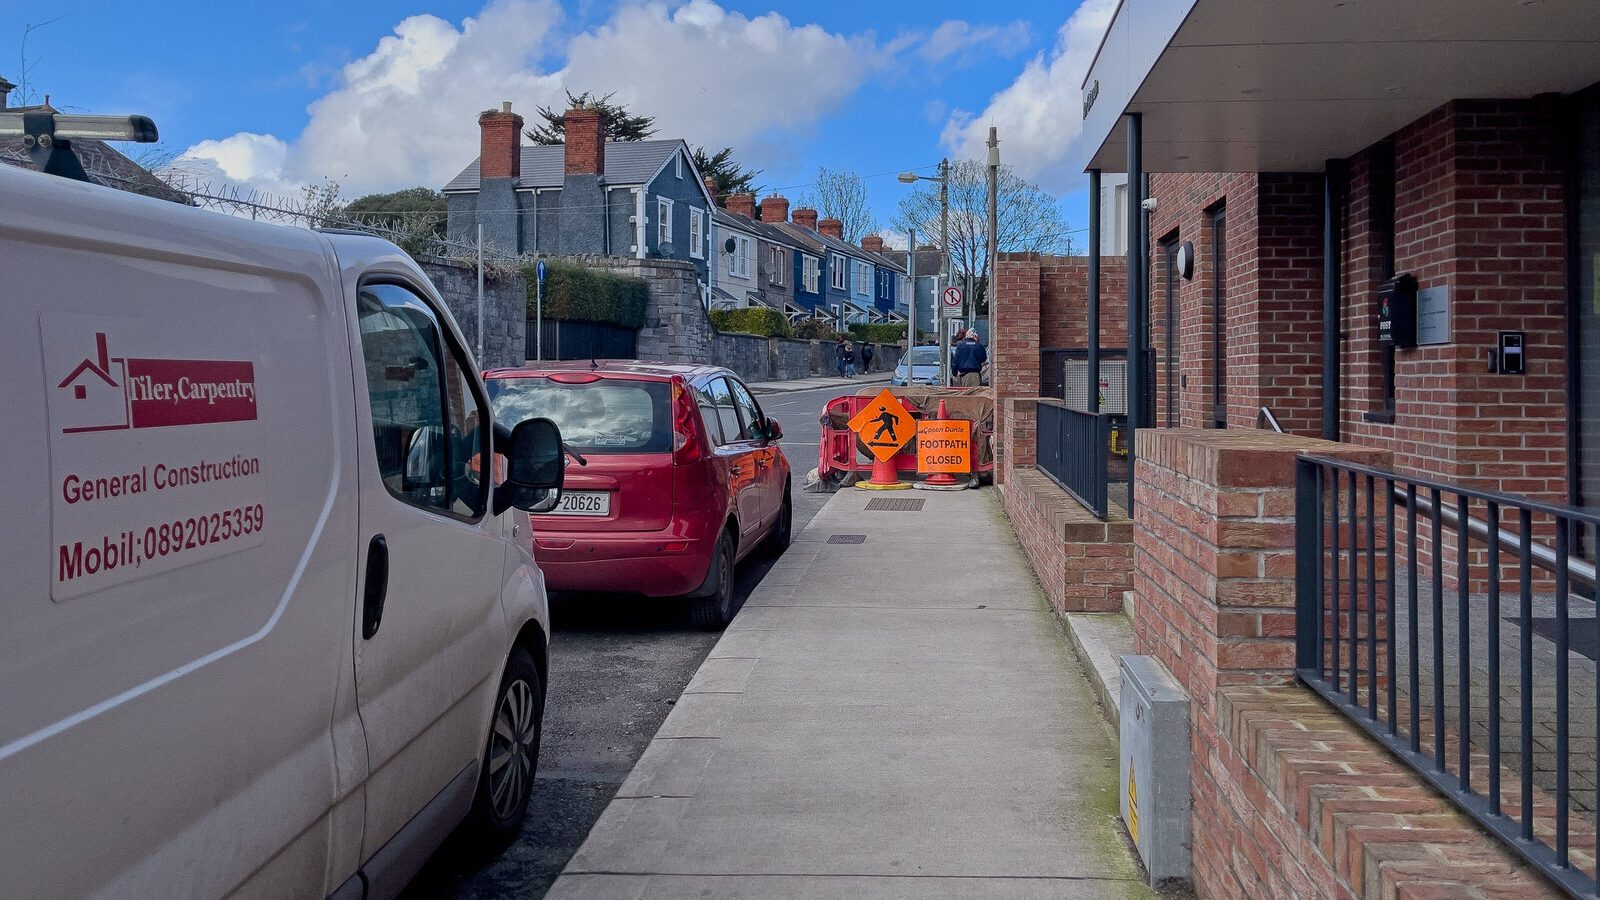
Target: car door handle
(376, 588)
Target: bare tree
(25, 90)
(841, 194)
(1029, 218)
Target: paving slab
(902, 717)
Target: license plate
(583, 503)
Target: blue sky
(384, 95)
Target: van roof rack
(47, 136)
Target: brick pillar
(1014, 353)
(742, 205)
(585, 135)
(500, 143)
(806, 218)
(832, 228)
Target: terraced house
(588, 196)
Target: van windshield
(605, 416)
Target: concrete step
(1101, 640)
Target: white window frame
(663, 222)
(811, 271)
(775, 264)
(740, 265)
(697, 234)
(863, 279)
(837, 276)
(677, 158)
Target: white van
(264, 629)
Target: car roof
(631, 368)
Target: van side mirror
(535, 467)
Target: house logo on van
(110, 393)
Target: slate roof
(767, 231)
(628, 164)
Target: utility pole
(911, 301)
(994, 227)
(944, 269)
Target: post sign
(884, 426)
(540, 270)
(1433, 315)
(944, 446)
(950, 301)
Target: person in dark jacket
(839, 354)
(970, 357)
(867, 352)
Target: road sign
(944, 446)
(539, 269)
(950, 301)
(884, 426)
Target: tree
(841, 194)
(727, 175)
(620, 124)
(417, 208)
(1029, 219)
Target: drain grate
(847, 539)
(895, 504)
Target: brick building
(1292, 178)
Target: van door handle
(376, 588)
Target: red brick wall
(1013, 346)
(499, 144)
(1064, 301)
(585, 135)
(1083, 565)
(1289, 798)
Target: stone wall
(505, 304)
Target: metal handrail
(1271, 421)
(1543, 556)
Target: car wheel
(714, 609)
(506, 782)
(783, 529)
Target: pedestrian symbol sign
(884, 426)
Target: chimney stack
(872, 243)
(500, 143)
(586, 141)
(743, 205)
(711, 188)
(806, 218)
(6, 88)
(775, 209)
(832, 228)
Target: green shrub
(575, 293)
(816, 330)
(758, 320)
(879, 333)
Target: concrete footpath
(894, 714)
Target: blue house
(811, 278)
(589, 196)
(888, 277)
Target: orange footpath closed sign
(944, 446)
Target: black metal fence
(1072, 448)
(1492, 697)
(584, 340)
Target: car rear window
(605, 416)
(924, 356)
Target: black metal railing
(1377, 553)
(1073, 448)
(565, 339)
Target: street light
(944, 265)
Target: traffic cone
(941, 479)
(885, 477)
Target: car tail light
(685, 424)
(575, 378)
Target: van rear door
(179, 515)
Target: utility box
(1155, 769)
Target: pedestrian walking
(839, 356)
(867, 353)
(849, 360)
(970, 357)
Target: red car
(684, 478)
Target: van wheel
(506, 782)
(713, 610)
(783, 528)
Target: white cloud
(1036, 114)
(406, 113)
(961, 39)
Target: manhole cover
(847, 539)
(895, 504)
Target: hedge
(757, 320)
(816, 329)
(575, 293)
(879, 333)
